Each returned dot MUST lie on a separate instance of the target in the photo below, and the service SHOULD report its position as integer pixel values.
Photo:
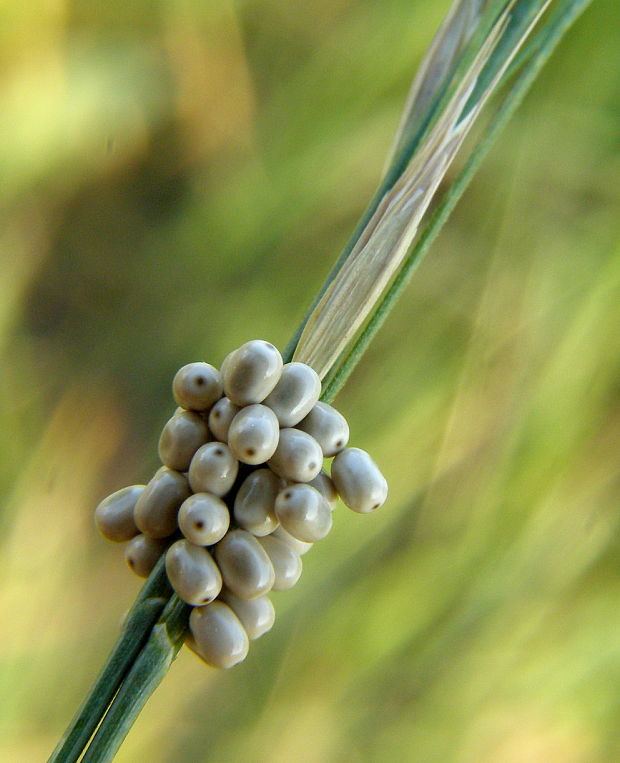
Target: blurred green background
(176, 178)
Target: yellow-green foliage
(177, 178)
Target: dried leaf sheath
(384, 243)
(437, 68)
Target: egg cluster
(242, 493)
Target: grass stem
(147, 672)
(140, 620)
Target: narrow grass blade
(413, 131)
(533, 58)
(411, 137)
(145, 612)
(382, 246)
(147, 672)
(437, 69)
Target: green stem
(146, 674)
(145, 612)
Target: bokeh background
(176, 178)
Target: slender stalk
(146, 674)
(145, 612)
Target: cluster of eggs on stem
(242, 493)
